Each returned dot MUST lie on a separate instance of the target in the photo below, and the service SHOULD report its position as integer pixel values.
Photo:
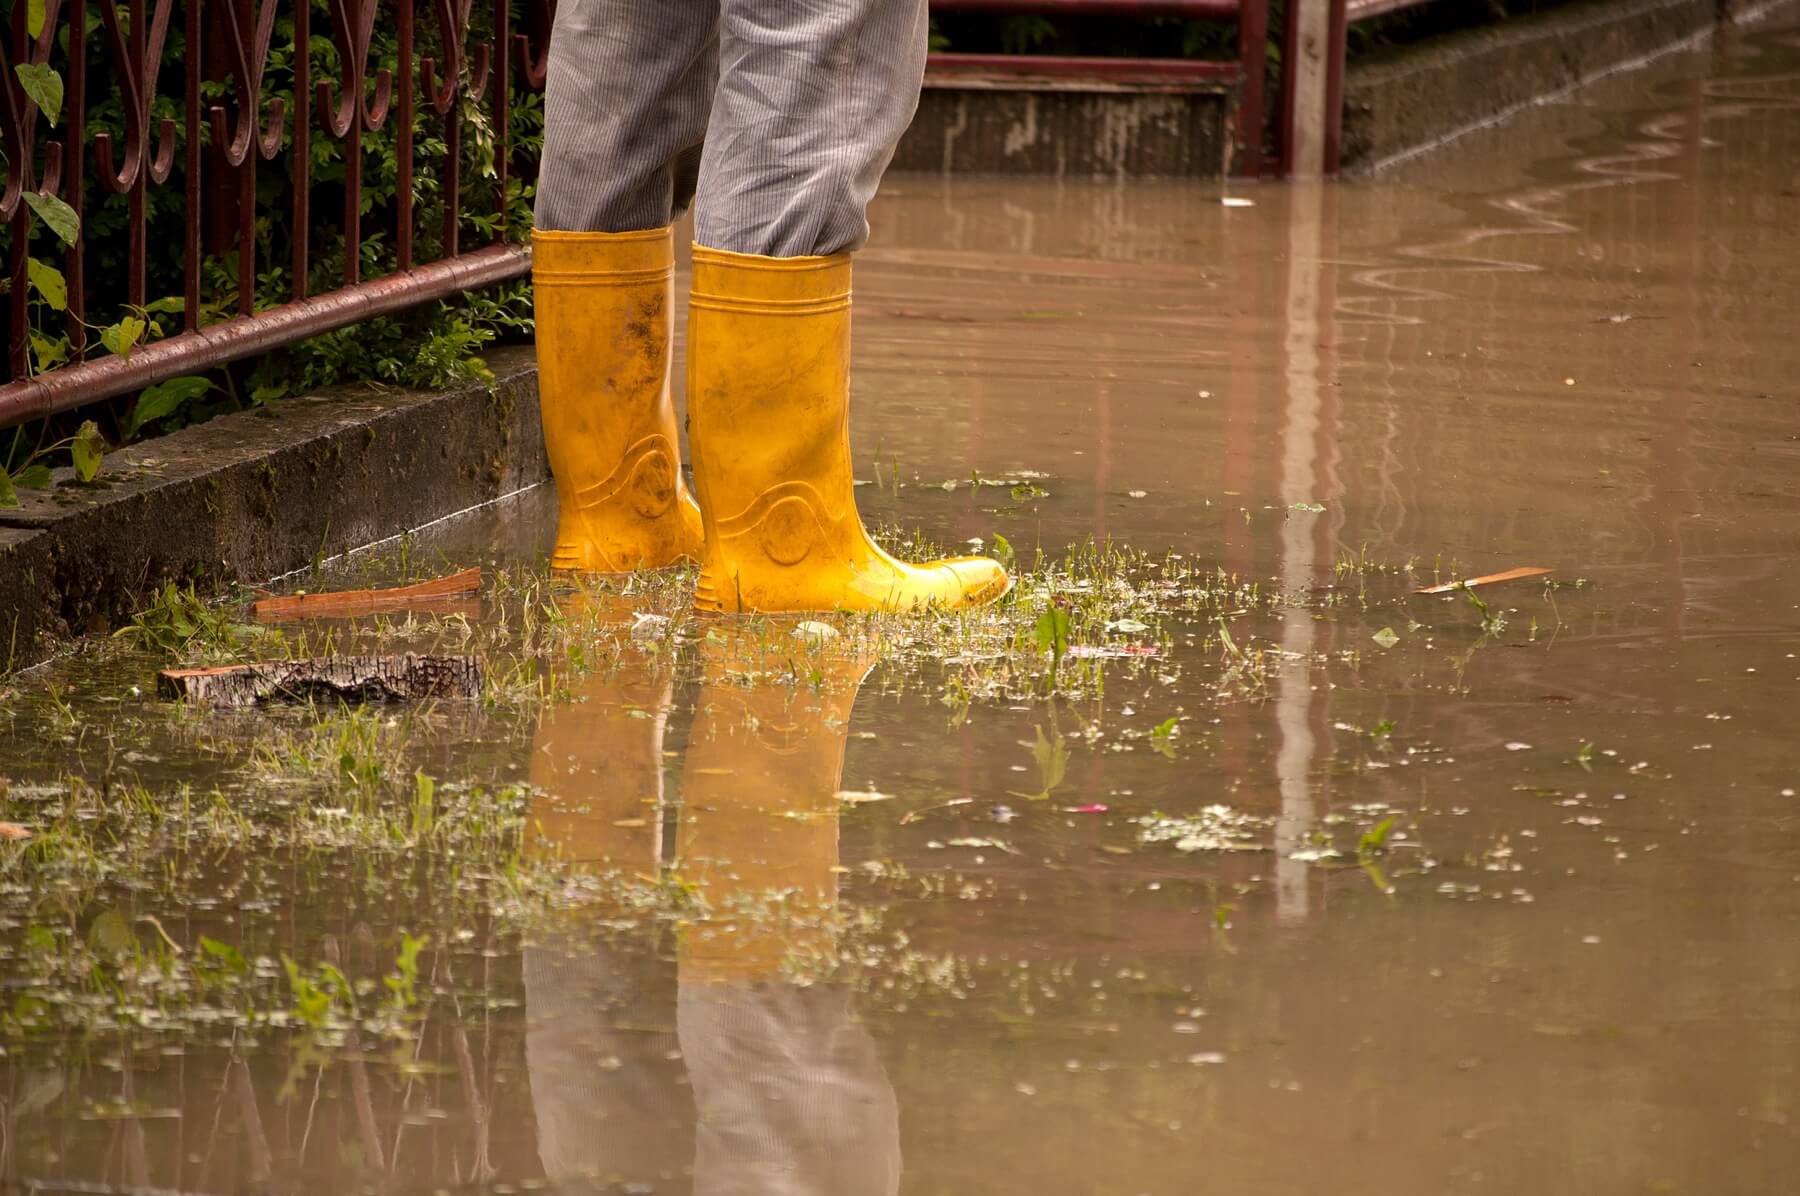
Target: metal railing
(244, 97)
(1244, 76)
(1309, 127)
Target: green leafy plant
(1052, 635)
(86, 448)
(177, 622)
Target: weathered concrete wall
(1064, 131)
(258, 494)
(1423, 94)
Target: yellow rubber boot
(768, 421)
(604, 304)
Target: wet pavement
(1414, 895)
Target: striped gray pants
(775, 118)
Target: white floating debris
(1215, 828)
(997, 844)
(1137, 493)
(1206, 1058)
(1516, 746)
(1109, 651)
(648, 626)
(812, 629)
(857, 797)
(1236, 201)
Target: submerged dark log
(407, 678)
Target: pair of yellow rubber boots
(776, 526)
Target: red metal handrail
(1112, 70)
(1248, 71)
(1196, 9)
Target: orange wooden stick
(1490, 579)
(362, 602)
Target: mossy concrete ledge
(1411, 98)
(253, 495)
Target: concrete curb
(257, 494)
(1422, 96)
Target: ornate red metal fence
(121, 124)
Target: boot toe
(979, 580)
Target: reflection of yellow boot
(768, 361)
(759, 833)
(597, 764)
(789, 1093)
(604, 304)
(608, 1097)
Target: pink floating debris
(1094, 808)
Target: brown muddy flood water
(1496, 900)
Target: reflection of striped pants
(776, 117)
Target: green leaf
(1374, 840)
(8, 496)
(44, 86)
(48, 351)
(35, 476)
(268, 392)
(1386, 637)
(88, 449)
(1052, 757)
(34, 18)
(48, 281)
(168, 303)
(165, 399)
(1162, 736)
(59, 216)
(119, 338)
(1003, 551)
(226, 954)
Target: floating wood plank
(344, 603)
(407, 678)
(1488, 580)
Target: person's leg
(812, 100)
(629, 90)
(630, 86)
